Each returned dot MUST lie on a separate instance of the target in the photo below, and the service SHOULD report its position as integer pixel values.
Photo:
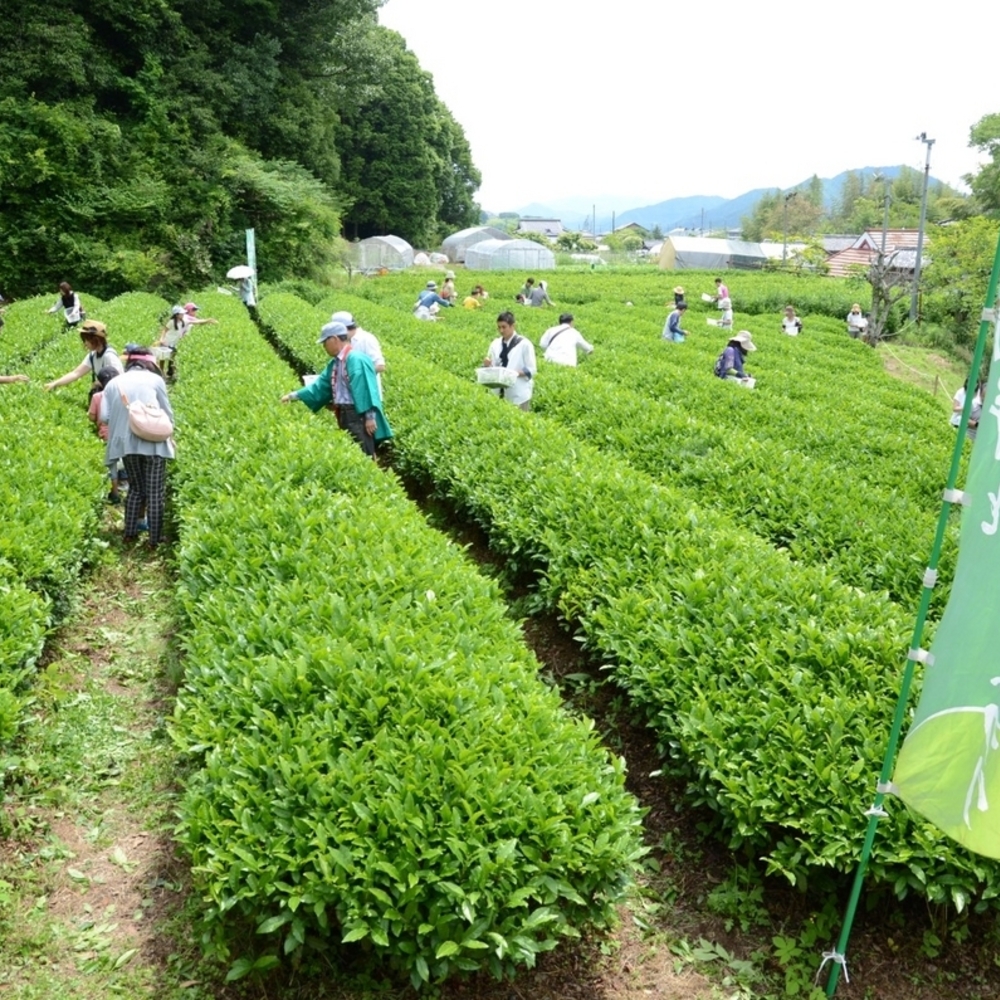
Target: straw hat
(744, 339)
(679, 290)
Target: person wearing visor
(94, 336)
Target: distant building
(835, 242)
(631, 227)
(550, 228)
(900, 247)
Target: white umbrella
(239, 272)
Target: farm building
(390, 252)
(551, 228)
(900, 247)
(509, 255)
(834, 242)
(456, 244)
(630, 229)
(707, 253)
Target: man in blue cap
(428, 302)
(347, 385)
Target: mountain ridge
(699, 212)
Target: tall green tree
(773, 216)
(407, 166)
(139, 138)
(985, 183)
(957, 276)
(862, 203)
(853, 188)
(814, 191)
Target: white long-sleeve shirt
(521, 358)
(367, 343)
(72, 312)
(560, 344)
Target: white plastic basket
(496, 378)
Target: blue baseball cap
(332, 330)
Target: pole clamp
(923, 656)
(956, 496)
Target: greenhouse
(509, 255)
(708, 253)
(377, 252)
(456, 244)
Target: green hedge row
(769, 685)
(52, 483)
(734, 450)
(753, 293)
(375, 758)
(27, 329)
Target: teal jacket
(364, 390)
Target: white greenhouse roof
(383, 251)
(397, 242)
(456, 245)
(509, 254)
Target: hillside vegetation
(138, 140)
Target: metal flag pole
(252, 259)
(838, 957)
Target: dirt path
(92, 881)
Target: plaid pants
(147, 481)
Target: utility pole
(887, 196)
(920, 232)
(784, 246)
(878, 274)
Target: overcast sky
(646, 100)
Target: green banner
(949, 766)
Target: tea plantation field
(370, 755)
